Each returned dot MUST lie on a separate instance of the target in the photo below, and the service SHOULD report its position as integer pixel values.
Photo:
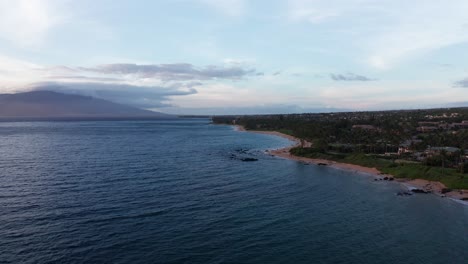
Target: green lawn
(450, 177)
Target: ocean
(178, 191)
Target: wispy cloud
(350, 77)
(388, 95)
(147, 86)
(395, 31)
(140, 96)
(84, 78)
(416, 29)
(15, 72)
(312, 11)
(461, 83)
(176, 71)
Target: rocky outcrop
(445, 190)
(404, 193)
(416, 190)
(248, 159)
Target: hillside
(49, 104)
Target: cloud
(415, 30)
(389, 94)
(276, 73)
(350, 77)
(446, 65)
(27, 22)
(15, 72)
(146, 86)
(389, 32)
(312, 11)
(139, 96)
(84, 78)
(461, 83)
(176, 71)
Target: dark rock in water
(404, 194)
(419, 191)
(464, 199)
(242, 151)
(322, 164)
(248, 159)
(385, 178)
(390, 179)
(445, 190)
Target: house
(463, 124)
(425, 123)
(403, 150)
(444, 126)
(405, 147)
(434, 151)
(425, 129)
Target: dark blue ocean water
(171, 192)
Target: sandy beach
(429, 186)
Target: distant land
(426, 148)
(54, 105)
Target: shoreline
(426, 185)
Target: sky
(240, 56)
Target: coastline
(426, 185)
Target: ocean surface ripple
(178, 192)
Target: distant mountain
(48, 104)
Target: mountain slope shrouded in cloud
(49, 104)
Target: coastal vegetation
(415, 144)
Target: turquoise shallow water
(177, 192)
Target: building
(434, 151)
(425, 123)
(425, 129)
(463, 124)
